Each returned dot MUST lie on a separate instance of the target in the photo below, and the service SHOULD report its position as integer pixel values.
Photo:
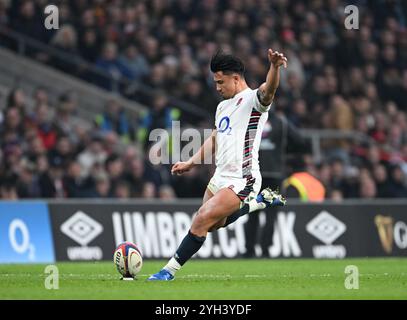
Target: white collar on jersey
(237, 95)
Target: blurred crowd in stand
(348, 80)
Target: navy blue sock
(237, 214)
(188, 247)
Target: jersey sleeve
(257, 104)
(216, 116)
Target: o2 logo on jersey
(224, 125)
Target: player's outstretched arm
(268, 89)
(206, 150)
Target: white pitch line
(198, 276)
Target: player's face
(226, 84)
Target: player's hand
(276, 58)
(181, 167)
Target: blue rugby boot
(162, 275)
(270, 198)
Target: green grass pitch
(258, 279)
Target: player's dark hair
(226, 63)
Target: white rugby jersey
(239, 122)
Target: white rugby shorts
(243, 187)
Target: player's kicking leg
(219, 211)
(265, 199)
